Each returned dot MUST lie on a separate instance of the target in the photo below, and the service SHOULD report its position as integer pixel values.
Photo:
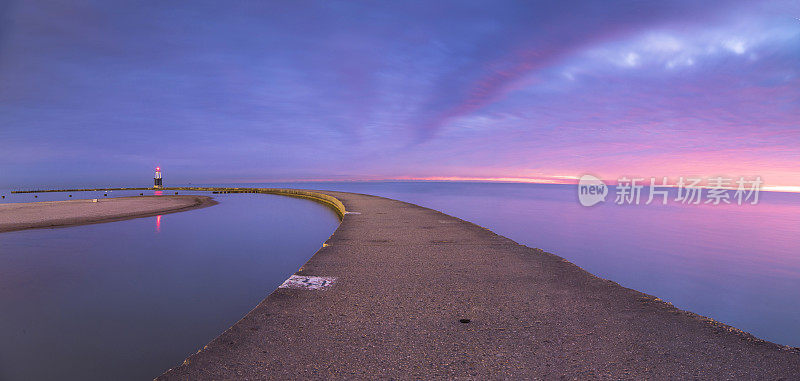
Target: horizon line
(552, 180)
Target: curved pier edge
(322, 198)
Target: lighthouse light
(157, 178)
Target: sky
(98, 93)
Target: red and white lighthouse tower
(157, 178)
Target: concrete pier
(401, 291)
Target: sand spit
(50, 214)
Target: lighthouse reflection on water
(157, 185)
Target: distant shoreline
(54, 214)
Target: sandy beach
(50, 214)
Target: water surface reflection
(125, 300)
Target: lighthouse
(157, 178)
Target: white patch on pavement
(308, 282)
(352, 213)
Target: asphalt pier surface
(407, 279)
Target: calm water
(130, 299)
(82, 296)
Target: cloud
(383, 88)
